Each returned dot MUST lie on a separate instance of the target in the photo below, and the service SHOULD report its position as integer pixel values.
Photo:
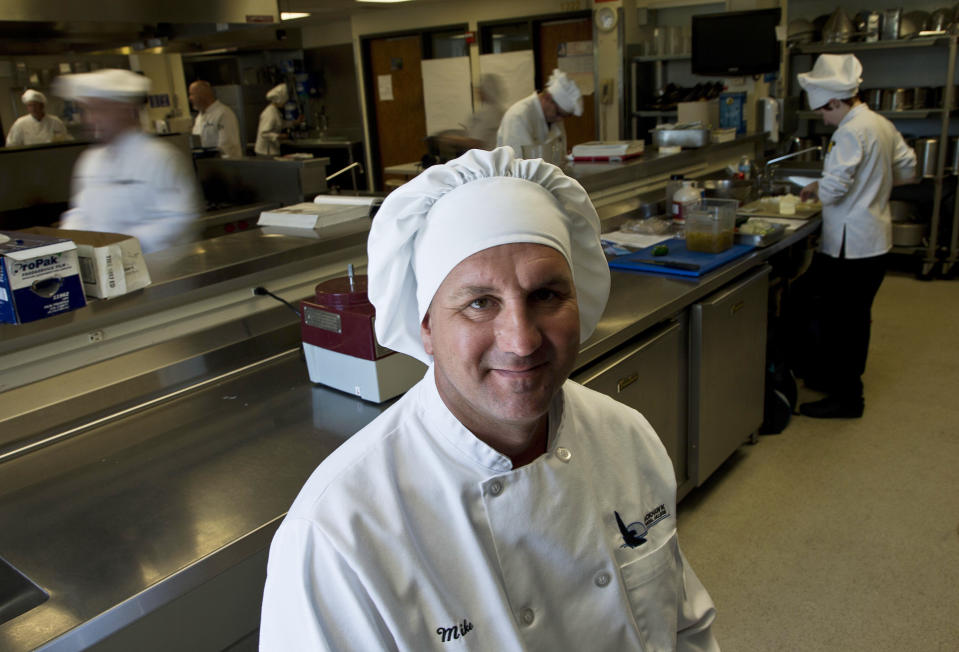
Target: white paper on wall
(516, 71)
(447, 93)
(576, 60)
(384, 84)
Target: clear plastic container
(710, 229)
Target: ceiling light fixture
(383, 2)
(292, 15)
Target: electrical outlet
(95, 336)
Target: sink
(18, 594)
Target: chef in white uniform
(269, 132)
(537, 120)
(497, 505)
(215, 122)
(130, 183)
(37, 127)
(867, 156)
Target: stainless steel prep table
(164, 514)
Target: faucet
(766, 179)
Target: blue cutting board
(678, 253)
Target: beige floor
(844, 535)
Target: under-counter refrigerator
(727, 369)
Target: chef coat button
(563, 454)
(602, 579)
(496, 487)
(527, 616)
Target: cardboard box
(39, 277)
(111, 264)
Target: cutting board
(769, 207)
(678, 253)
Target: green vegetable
(660, 250)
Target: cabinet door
(727, 371)
(649, 375)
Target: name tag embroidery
(448, 634)
(634, 534)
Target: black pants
(833, 312)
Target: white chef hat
(565, 92)
(108, 84)
(278, 94)
(31, 95)
(835, 76)
(480, 200)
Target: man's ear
(426, 334)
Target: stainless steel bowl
(927, 150)
(873, 98)
(908, 234)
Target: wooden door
(551, 35)
(397, 81)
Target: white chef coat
(136, 185)
(866, 156)
(268, 131)
(27, 130)
(218, 127)
(524, 123)
(484, 124)
(415, 535)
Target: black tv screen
(736, 43)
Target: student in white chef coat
(269, 132)
(37, 127)
(215, 122)
(497, 505)
(130, 183)
(538, 119)
(867, 156)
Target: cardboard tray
(679, 254)
(761, 208)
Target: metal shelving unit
(929, 252)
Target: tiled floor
(844, 534)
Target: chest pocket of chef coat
(654, 587)
(209, 136)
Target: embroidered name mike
(448, 634)
(634, 534)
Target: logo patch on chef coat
(634, 534)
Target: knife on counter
(690, 267)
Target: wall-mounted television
(736, 43)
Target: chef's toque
(480, 200)
(107, 84)
(835, 76)
(33, 96)
(565, 92)
(278, 94)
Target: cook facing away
(130, 183)
(497, 505)
(538, 119)
(867, 156)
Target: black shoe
(833, 408)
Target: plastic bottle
(745, 167)
(675, 183)
(685, 199)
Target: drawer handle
(623, 383)
(736, 307)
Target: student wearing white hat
(130, 183)
(538, 119)
(867, 156)
(269, 132)
(37, 127)
(497, 505)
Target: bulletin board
(516, 70)
(447, 93)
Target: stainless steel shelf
(655, 114)
(925, 41)
(664, 57)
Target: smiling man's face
(503, 330)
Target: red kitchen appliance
(340, 344)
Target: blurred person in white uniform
(215, 122)
(484, 123)
(497, 505)
(269, 132)
(538, 119)
(37, 127)
(866, 157)
(130, 183)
